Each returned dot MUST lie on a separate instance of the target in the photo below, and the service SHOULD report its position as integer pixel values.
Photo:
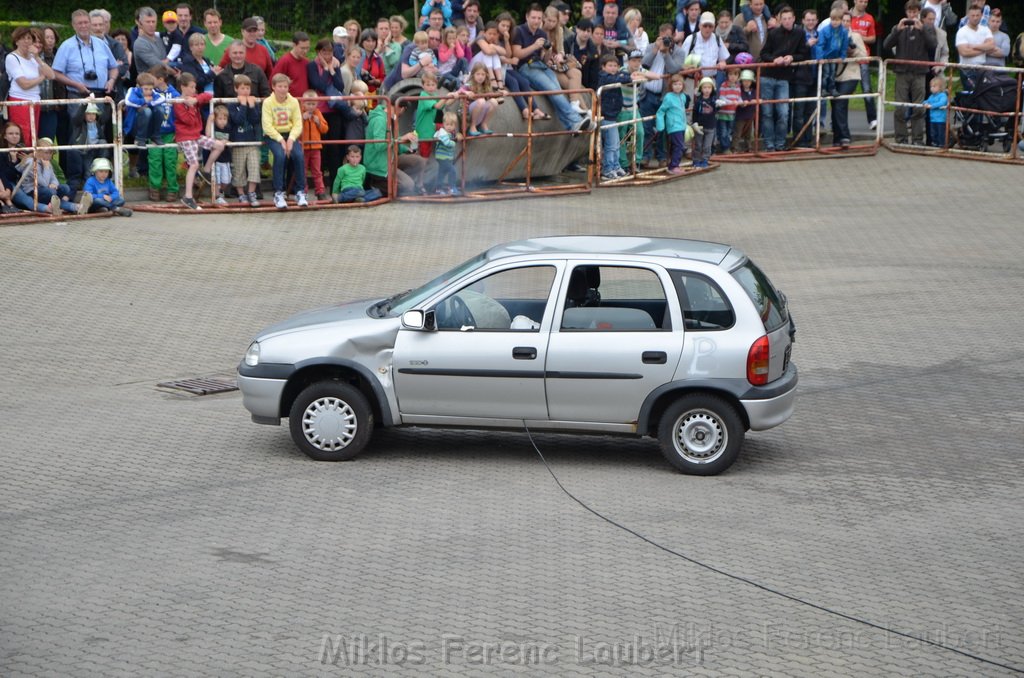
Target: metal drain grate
(201, 385)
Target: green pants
(638, 129)
(163, 164)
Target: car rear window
(764, 295)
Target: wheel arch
(659, 400)
(322, 369)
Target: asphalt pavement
(147, 532)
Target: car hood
(319, 316)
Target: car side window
(614, 299)
(511, 300)
(704, 305)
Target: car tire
(331, 421)
(701, 434)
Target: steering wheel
(453, 313)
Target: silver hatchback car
(683, 340)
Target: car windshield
(766, 298)
(401, 303)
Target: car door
(485, 359)
(617, 336)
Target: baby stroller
(992, 92)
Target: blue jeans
(295, 160)
(840, 112)
(147, 123)
(541, 78)
(609, 146)
(99, 204)
(865, 86)
(352, 194)
(774, 117)
(724, 128)
(45, 193)
(654, 144)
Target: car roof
(699, 250)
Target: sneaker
(455, 191)
(575, 167)
(154, 195)
(577, 107)
(621, 173)
(55, 204)
(158, 141)
(873, 124)
(133, 172)
(675, 170)
(300, 199)
(279, 201)
(86, 203)
(320, 197)
(122, 211)
(253, 200)
(583, 125)
(141, 143)
(441, 191)
(221, 201)
(609, 176)
(243, 199)
(190, 203)
(172, 196)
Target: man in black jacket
(912, 40)
(785, 45)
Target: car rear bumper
(262, 397)
(777, 406)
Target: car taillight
(757, 362)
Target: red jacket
(188, 120)
(296, 70)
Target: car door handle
(654, 357)
(524, 353)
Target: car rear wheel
(700, 434)
(331, 421)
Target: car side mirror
(419, 320)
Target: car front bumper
(768, 412)
(262, 397)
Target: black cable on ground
(763, 587)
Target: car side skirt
(516, 424)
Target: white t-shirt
(711, 51)
(973, 38)
(17, 67)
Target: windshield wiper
(384, 305)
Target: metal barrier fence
(963, 121)
(504, 186)
(34, 133)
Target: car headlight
(252, 354)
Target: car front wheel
(700, 434)
(331, 421)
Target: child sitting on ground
(705, 109)
(481, 108)
(246, 126)
(188, 128)
(313, 125)
(348, 184)
(937, 105)
(105, 196)
(427, 112)
(219, 128)
(38, 168)
(444, 154)
(671, 119)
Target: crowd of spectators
(166, 68)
